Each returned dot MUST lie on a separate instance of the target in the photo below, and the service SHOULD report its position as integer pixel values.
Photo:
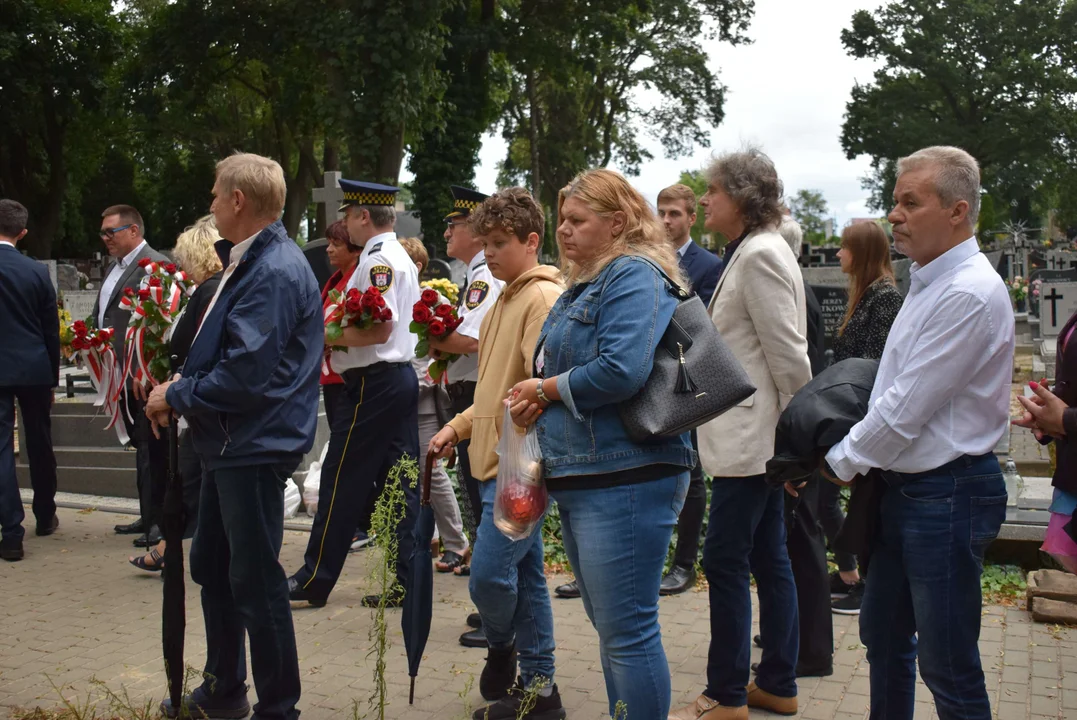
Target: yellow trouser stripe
(333, 499)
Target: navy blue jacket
(703, 268)
(250, 384)
(29, 324)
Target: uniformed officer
(478, 295)
(377, 421)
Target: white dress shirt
(109, 285)
(943, 387)
(5, 242)
(684, 248)
(235, 255)
(481, 292)
(386, 265)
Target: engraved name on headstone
(832, 300)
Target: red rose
(373, 291)
(430, 297)
(353, 304)
(369, 302)
(443, 311)
(129, 292)
(379, 301)
(144, 262)
(421, 314)
(144, 294)
(170, 268)
(437, 328)
(79, 327)
(155, 281)
(353, 293)
(386, 314)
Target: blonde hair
(606, 192)
(415, 249)
(260, 179)
(194, 250)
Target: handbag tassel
(684, 380)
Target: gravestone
(67, 278)
(1058, 301)
(832, 300)
(1056, 276)
(437, 269)
(331, 196)
(51, 265)
(80, 303)
(1060, 260)
(314, 252)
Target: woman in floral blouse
(874, 302)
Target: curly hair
(194, 250)
(749, 178)
(606, 192)
(512, 210)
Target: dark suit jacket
(703, 268)
(29, 323)
(115, 316)
(816, 332)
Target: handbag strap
(674, 289)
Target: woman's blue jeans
(617, 539)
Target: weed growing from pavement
(388, 512)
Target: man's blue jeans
(922, 599)
(746, 535)
(617, 539)
(244, 588)
(508, 586)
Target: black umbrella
(174, 611)
(419, 595)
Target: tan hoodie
(507, 338)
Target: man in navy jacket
(29, 370)
(677, 210)
(249, 390)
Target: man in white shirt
(123, 234)
(939, 407)
(376, 420)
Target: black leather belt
(370, 370)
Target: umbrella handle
(426, 478)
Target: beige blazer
(759, 309)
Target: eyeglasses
(451, 225)
(109, 233)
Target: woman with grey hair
(759, 308)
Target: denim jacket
(599, 340)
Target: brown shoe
(706, 709)
(775, 703)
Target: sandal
(462, 571)
(449, 562)
(140, 561)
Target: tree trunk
(535, 120)
(391, 154)
(298, 198)
(39, 245)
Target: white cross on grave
(1058, 301)
(331, 196)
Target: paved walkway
(74, 610)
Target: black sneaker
(838, 587)
(850, 604)
(514, 706)
(200, 706)
(495, 682)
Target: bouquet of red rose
(161, 295)
(353, 309)
(95, 348)
(433, 317)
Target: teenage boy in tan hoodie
(507, 581)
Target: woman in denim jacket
(618, 499)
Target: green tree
(695, 180)
(578, 68)
(809, 208)
(993, 78)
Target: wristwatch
(541, 393)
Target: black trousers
(807, 554)
(462, 395)
(831, 518)
(151, 460)
(690, 521)
(36, 406)
(375, 423)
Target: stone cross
(331, 196)
(1058, 301)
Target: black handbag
(695, 377)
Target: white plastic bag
(291, 499)
(521, 499)
(312, 483)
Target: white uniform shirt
(943, 387)
(385, 265)
(109, 285)
(478, 295)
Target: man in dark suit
(29, 370)
(122, 233)
(677, 210)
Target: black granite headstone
(314, 252)
(832, 300)
(438, 269)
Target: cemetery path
(75, 610)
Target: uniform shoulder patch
(375, 248)
(476, 294)
(381, 277)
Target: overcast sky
(786, 93)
